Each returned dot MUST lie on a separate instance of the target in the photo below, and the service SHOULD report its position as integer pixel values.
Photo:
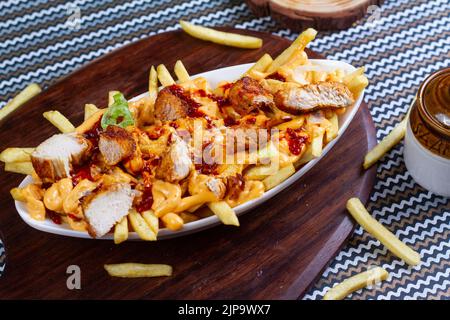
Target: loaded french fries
(185, 150)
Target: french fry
(349, 77)
(279, 177)
(220, 37)
(152, 220)
(357, 84)
(356, 81)
(57, 119)
(261, 65)
(20, 167)
(356, 282)
(317, 141)
(153, 85)
(181, 72)
(299, 44)
(121, 231)
(318, 76)
(86, 125)
(17, 194)
(140, 226)
(306, 157)
(195, 200)
(259, 172)
(16, 155)
(89, 110)
(388, 142)
(172, 221)
(138, 270)
(26, 94)
(292, 124)
(331, 131)
(164, 76)
(387, 238)
(111, 95)
(224, 212)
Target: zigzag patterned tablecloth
(400, 44)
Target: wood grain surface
(280, 248)
(319, 14)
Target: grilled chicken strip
(311, 97)
(247, 95)
(104, 208)
(116, 144)
(169, 106)
(176, 163)
(53, 159)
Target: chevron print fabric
(400, 43)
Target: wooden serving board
(280, 248)
(319, 14)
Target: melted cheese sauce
(33, 195)
(252, 190)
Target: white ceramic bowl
(214, 77)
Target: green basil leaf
(118, 114)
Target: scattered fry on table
(387, 238)
(26, 94)
(388, 142)
(138, 270)
(356, 282)
(220, 37)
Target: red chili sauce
(295, 141)
(56, 218)
(193, 106)
(276, 76)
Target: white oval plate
(214, 77)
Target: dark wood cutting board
(280, 248)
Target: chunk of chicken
(311, 97)
(53, 159)
(169, 106)
(104, 208)
(247, 95)
(116, 144)
(176, 163)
